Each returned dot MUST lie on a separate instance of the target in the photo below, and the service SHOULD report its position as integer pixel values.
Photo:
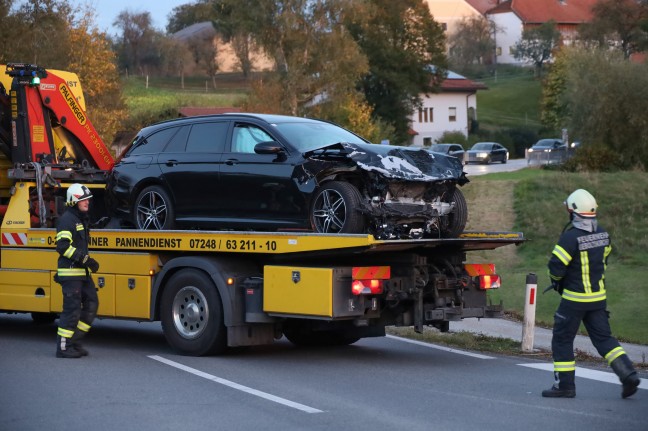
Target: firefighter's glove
(91, 264)
(554, 286)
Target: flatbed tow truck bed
(214, 289)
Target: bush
(594, 158)
(522, 139)
(453, 138)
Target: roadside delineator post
(528, 328)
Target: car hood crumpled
(402, 162)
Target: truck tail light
(492, 281)
(368, 280)
(367, 287)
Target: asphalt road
(132, 380)
(511, 165)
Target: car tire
(153, 210)
(336, 209)
(191, 312)
(458, 218)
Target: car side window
(246, 136)
(179, 141)
(207, 137)
(155, 143)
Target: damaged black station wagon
(281, 173)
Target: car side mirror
(268, 147)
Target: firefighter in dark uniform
(577, 271)
(80, 301)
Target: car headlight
(482, 154)
(530, 150)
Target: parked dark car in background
(455, 150)
(281, 173)
(547, 151)
(487, 152)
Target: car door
(499, 153)
(258, 190)
(456, 151)
(190, 169)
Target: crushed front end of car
(405, 192)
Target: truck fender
(219, 269)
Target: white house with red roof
(450, 110)
(512, 17)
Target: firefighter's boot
(75, 342)
(623, 368)
(563, 387)
(64, 348)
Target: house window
(427, 142)
(452, 114)
(425, 115)
(498, 50)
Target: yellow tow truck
(213, 289)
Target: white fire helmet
(77, 193)
(582, 203)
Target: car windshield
(307, 136)
(440, 147)
(482, 146)
(544, 143)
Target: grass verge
(531, 201)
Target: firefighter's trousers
(80, 304)
(566, 323)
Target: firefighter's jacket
(578, 264)
(72, 237)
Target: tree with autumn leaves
(57, 35)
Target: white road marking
(585, 373)
(434, 346)
(234, 385)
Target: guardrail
(546, 157)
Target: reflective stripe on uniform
(583, 297)
(71, 272)
(69, 252)
(613, 354)
(562, 367)
(64, 234)
(585, 272)
(79, 227)
(554, 277)
(82, 326)
(562, 254)
(65, 332)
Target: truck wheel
(335, 209)
(43, 318)
(192, 314)
(153, 209)
(459, 217)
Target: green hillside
(512, 100)
(531, 201)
